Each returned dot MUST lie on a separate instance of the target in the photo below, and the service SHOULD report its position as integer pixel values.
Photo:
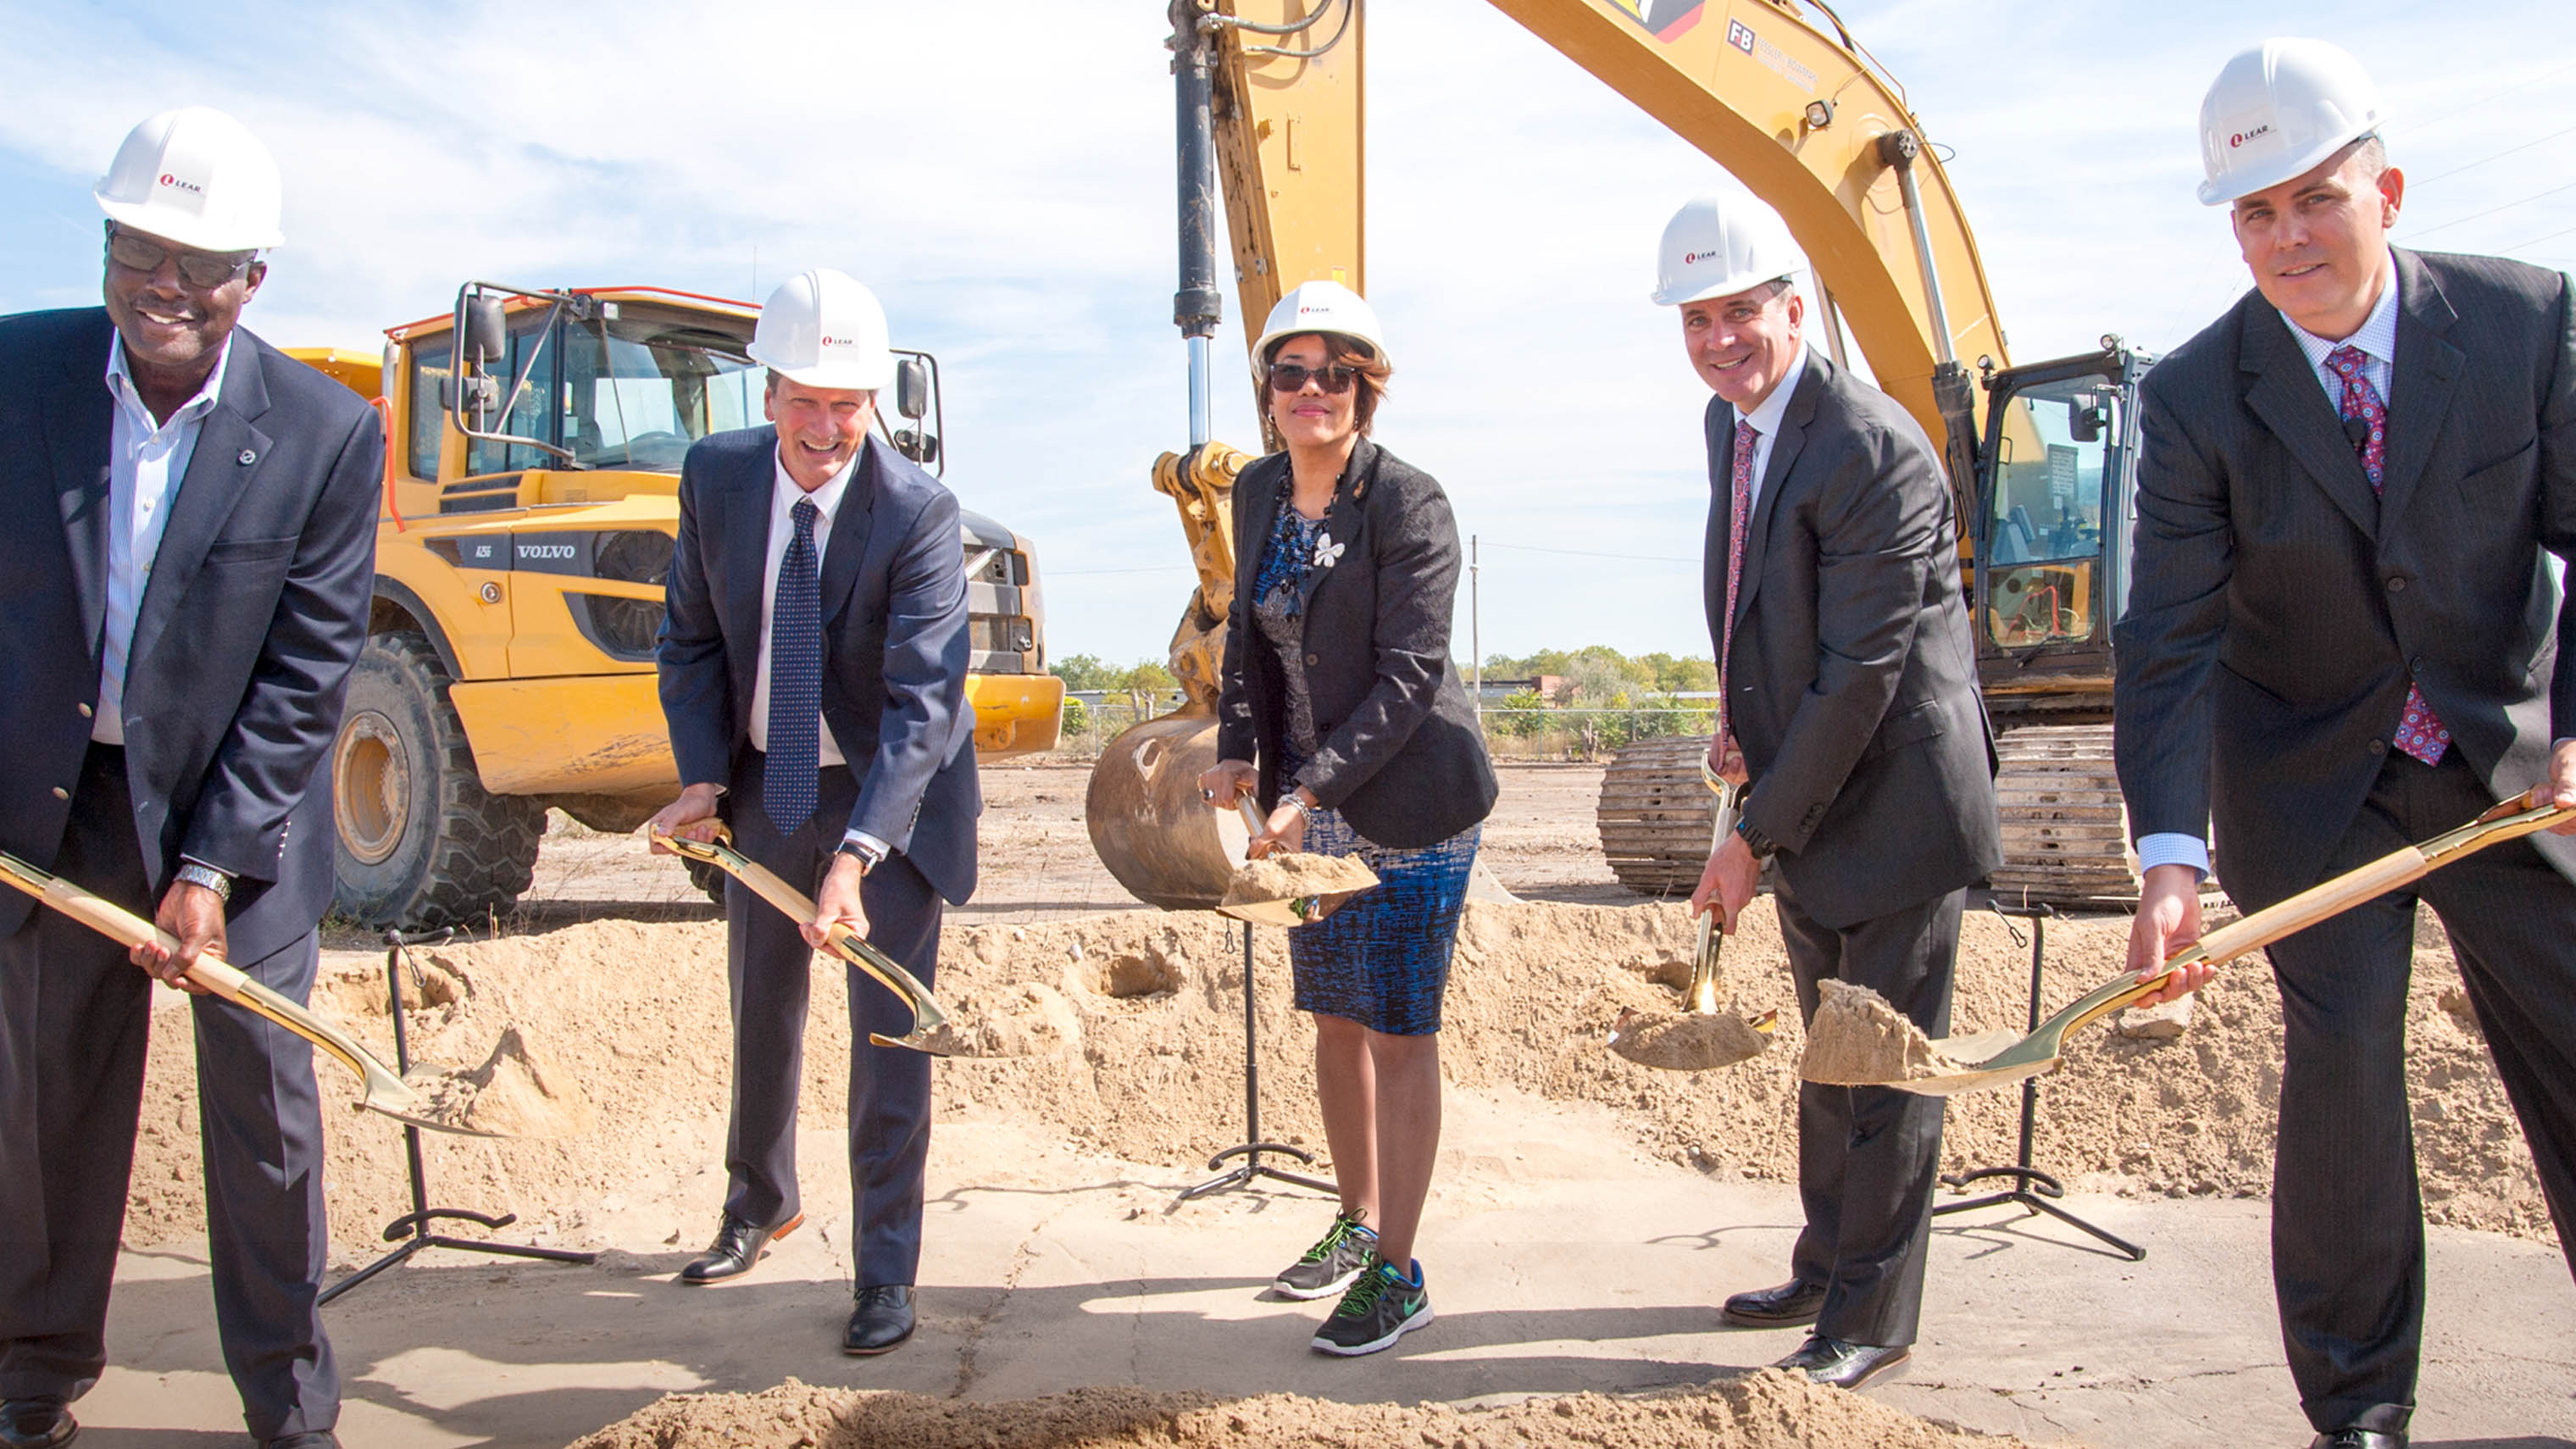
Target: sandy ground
(1588, 1212)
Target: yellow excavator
(2040, 457)
(533, 447)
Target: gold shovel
(2000, 1058)
(1295, 910)
(1695, 1040)
(927, 1015)
(385, 1091)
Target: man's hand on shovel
(2560, 788)
(837, 904)
(1727, 882)
(2168, 919)
(195, 915)
(691, 817)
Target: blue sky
(1001, 174)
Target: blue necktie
(787, 780)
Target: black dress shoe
(1792, 1302)
(36, 1423)
(882, 1320)
(2359, 1439)
(309, 1439)
(738, 1245)
(1841, 1365)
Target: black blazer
(2277, 609)
(1853, 684)
(1400, 754)
(895, 642)
(256, 609)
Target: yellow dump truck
(531, 498)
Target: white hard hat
(2279, 110)
(822, 329)
(1719, 245)
(196, 177)
(1319, 306)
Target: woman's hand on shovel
(1284, 832)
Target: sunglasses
(1289, 377)
(204, 271)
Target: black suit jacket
(243, 639)
(895, 642)
(2277, 609)
(1852, 687)
(1399, 752)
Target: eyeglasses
(1289, 377)
(204, 271)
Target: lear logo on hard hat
(169, 180)
(2241, 137)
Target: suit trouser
(770, 970)
(2347, 1217)
(1867, 1155)
(73, 1018)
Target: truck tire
(421, 844)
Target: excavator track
(2065, 830)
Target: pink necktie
(1742, 516)
(2419, 731)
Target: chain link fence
(1513, 731)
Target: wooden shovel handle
(119, 924)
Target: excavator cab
(2053, 517)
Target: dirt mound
(516, 1092)
(1858, 1039)
(1125, 1032)
(1286, 877)
(1765, 1410)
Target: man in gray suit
(1849, 704)
(2339, 640)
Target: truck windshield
(2044, 513)
(637, 390)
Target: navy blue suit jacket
(895, 642)
(243, 640)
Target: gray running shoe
(1379, 1309)
(1332, 1263)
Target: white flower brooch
(1327, 552)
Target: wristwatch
(1762, 846)
(197, 874)
(866, 858)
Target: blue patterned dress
(1382, 960)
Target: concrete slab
(1560, 1260)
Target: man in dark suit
(814, 675)
(187, 538)
(2340, 639)
(1848, 702)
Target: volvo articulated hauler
(531, 499)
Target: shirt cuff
(2172, 847)
(875, 849)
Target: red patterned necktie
(1741, 517)
(2420, 732)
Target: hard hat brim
(838, 377)
(1725, 287)
(185, 231)
(2236, 186)
(1269, 340)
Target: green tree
(1085, 672)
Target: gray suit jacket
(256, 609)
(2278, 609)
(1853, 683)
(895, 642)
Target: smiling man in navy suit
(814, 675)
(187, 539)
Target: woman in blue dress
(1343, 715)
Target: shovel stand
(2031, 1188)
(410, 1232)
(1252, 1147)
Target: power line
(2500, 155)
(2535, 241)
(2492, 210)
(2481, 101)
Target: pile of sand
(516, 1092)
(1858, 1039)
(1762, 1410)
(1685, 1041)
(1127, 1030)
(1281, 876)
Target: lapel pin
(247, 458)
(1327, 552)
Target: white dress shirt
(1765, 420)
(784, 494)
(2377, 340)
(146, 462)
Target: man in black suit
(2340, 639)
(814, 675)
(187, 539)
(1849, 704)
